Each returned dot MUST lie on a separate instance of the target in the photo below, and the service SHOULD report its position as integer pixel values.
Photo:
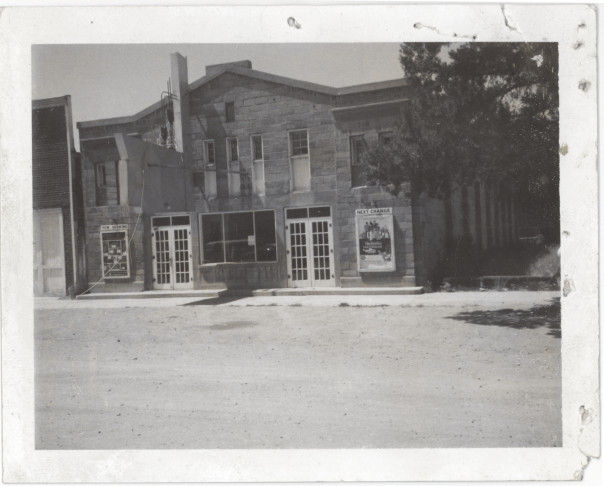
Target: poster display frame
(384, 215)
(115, 228)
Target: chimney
(180, 84)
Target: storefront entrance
(309, 240)
(172, 259)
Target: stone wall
(272, 110)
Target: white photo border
(572, 26)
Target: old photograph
(313, 243)
(345, 245)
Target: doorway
(172, 257)
(49, 253)
(309, 239)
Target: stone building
(59, 262)
(245, 179)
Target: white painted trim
(69, 134)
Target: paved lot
(437, 370)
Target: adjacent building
(246, 179)
(59, 252)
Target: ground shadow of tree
(539, 316)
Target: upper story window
(207, 179)
(233, 149)
(107, 183)
(101, 176)
(299, 142)
(257, 165)
(229, 110)
(299, 160)
(358, 173)
(233, 167)
(385, 138)
(209, 152)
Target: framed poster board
(114, 248)
(375, 240)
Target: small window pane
(319, 212)
(239, 227)
(299, 142)
(297, 213)
(180, 220)
(210, 153)
(211, 231)
(266, 246)
(233, 149)
(257, 147)
(161, 221)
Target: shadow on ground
(225, 299)
(539, 316)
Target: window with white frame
(233, 167)
(238, 237)
(209, 167)
(257, 165)
(299, 160)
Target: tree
(485, 111)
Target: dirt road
(292, 376)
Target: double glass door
(309, 239)
(172, 259)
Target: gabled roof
(263, 76)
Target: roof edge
(262, 75)
(50, 102)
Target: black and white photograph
(300, 245)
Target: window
(257, 165)
(101, 178)
(385, 138)
(229, 110)
(106, 177)
(239, 237)
(178, 220)
(299, 142)
(358, 173)
(209, 152)
(213, 246)
(299, 160)
(233, 165)
(209, 155)
(266, 246)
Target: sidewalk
(488, 299)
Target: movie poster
(375, 240)
(114, 242)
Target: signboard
(114, 247)
(114, 227)
(375, 240)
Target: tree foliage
(485, 111)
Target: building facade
(245, 179)
(59, 251)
